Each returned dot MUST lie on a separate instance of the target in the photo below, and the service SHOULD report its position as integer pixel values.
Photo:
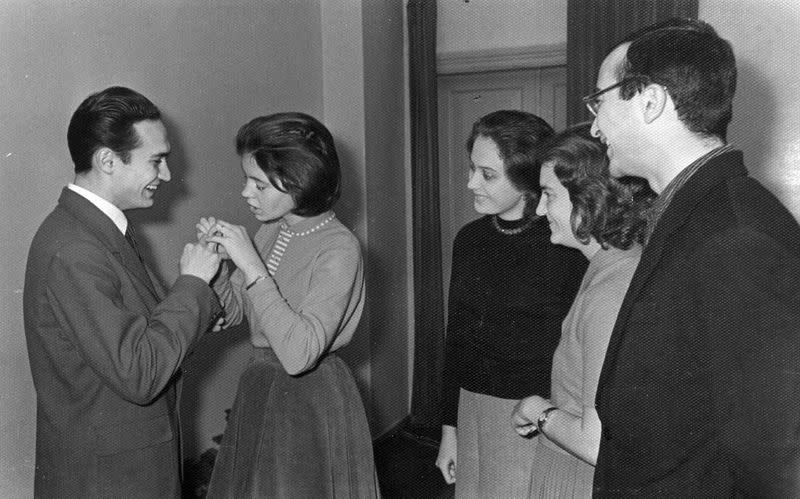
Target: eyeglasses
(592, 101)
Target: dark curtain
(427, 240)
(594, 27)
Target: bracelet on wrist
(543, 418)
(262, 276)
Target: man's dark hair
(518, 136)
(297, 150)
(106, 119)
(695, 65)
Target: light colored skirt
(295, 436)
(558, 474)
(492, 460)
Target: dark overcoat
(699, 395)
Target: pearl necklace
(511, 232)
(285, 226)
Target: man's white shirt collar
(111, 211)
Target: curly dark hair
(605, 208)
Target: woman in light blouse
(298, 426)
(603, 217)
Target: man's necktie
(130, 235)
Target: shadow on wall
(378, 354)
(347, 208)
(207, 396)
(752, 128)
(170, 194)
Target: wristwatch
(543, 418)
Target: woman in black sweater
(509, 292)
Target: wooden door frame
(479, 61)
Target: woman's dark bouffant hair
(605, 208)
(518, 136)
(297, 150)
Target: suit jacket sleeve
(229, 286)
(97, 303)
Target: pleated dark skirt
(295, 436)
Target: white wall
(766, 113)
(500, 24)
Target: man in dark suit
(700, 390)
(105, 341)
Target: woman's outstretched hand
(205, 229)
(233, 239)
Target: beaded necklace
(282, 242)
(285, 226)
(511, 232)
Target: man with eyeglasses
(700, 390)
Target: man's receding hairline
(618, 70)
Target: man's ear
(105, 159)
(654, 98)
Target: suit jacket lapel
(106, 232)
(695, 189)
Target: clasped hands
(526, 413)
(232, 242)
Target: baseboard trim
(393, 430)
(426, 436)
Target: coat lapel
(694, 191)
(109, 235)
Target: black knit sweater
(508, 297)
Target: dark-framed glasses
(592, 100)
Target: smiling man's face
(136, 181)
(615, 122)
